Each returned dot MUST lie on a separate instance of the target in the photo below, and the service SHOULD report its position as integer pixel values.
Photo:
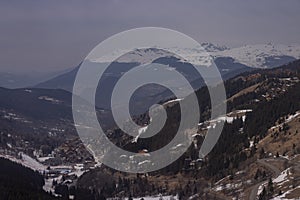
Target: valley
(250, 156)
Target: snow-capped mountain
(230, 63)
(140, 56)
(262, 55)
(196, 56)
(257, 56)
(210, 47)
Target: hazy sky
(54, 35)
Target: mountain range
(255, 56)
(257, 155)
(230, 63)
(261, 130)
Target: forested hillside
(20, 183)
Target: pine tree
(130, 197)
(270, 186)
(263, 195)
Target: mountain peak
(262, 55)
(197, 56)
(210, 47)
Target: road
(254, 189)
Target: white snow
(157, 198)
(27, 90)
(48, 185)
(197, 56)
(232, 186)
(282, 177)
(285, 157)
(282, 197)
(196, 134)
(144, 162)
(209, 47)
(223, 118)
(261, 187)
(11, 116)
(255, 55)
(172, 101)
(279, 181)
(240, 111)
(244, 118)
(244, 111)
(285, 79)
(219, 181)
(289, 119)
(218, 188)
(228, 186)
(27, 161)
(140, 131)
(250, 55)
(229, 119)
(142, 56)
(240, 172)
(43, 159)
(79, 170)
(177, 146)
(46, 98)
(251, 144)
(33, 164)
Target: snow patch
(140, 131)
(289, 119)
(282, 177)
(172, 101)
(46, 98)
(144, 162)
(27, 90)
(159, 197)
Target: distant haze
(54, 35)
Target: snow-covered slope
(210, 47)
(141, 56)
(258, 56)
(26, 161)
(262, 55)
(195, 56)
(198, 56)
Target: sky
(53, 35)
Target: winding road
(254, 189)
